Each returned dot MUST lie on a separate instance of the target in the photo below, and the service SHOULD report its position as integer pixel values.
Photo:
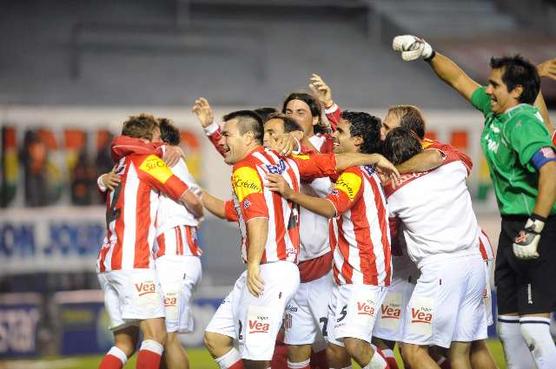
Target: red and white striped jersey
(181, 240)
(485, 247)
(252, 199)
(131, 212)
(362, 254)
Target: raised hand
(203, 111)
(547, 69)
(412, 47)
(321, 90)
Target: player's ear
(357, 140)
(516, 92)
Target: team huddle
(357, 234)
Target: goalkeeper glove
(412, 48)
(526, 242)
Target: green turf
(199, 359)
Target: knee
(409, 352)
(128, 348)
(357, 349)
(217, 344)
(209, 341)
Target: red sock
(114, 359)
(280, 357)
(318, 360)
(149, 355)
(237, 365)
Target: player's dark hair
(410, 117)
(518, 71)
(400, 145)
(290, 124)
(314, 107)
(367, 127)
(168, 132)
(140, 126)
(248, 121)
(265, 112)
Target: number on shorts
(239, 335)
(343, 314)
(324, 321)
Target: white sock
(377, 362)
(515, 348)
(115, 351)
(388, 353)
(536, 332)
(300, 365)
(152, 346)
(228, 359)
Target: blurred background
(72, 71)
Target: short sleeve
(248, 188)
(313, 166)
(527, 135)
(480, 100)
(346, 191)
(157, 174)
(230, 211)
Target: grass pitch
(199, 359)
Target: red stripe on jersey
(179, 241)
(161, 242)
(343, 244)
(102, 257)
(384, 228)
(365, 248)
(143, 222)
(189, 239)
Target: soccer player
(362, 268)
(306, 315)
(442, 238)
(522, 165)
(125, 264)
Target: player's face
(233, 143)
(500, 98)
(273, 129)
(343, 142)
(301, 113)
(389, 122)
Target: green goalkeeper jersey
(509, 141)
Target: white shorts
(306, 317)
(178, 276)
(447, 303)
(255, 321)
(353, 311)
(131, 296)
(392, 315)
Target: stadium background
(71, 72)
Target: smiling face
(234, 144)
(343, 141)
(500, 98)
(301, 112)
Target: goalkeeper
(522, 163)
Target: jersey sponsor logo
(291, 308)
(421, 315)
(365, 308)
(145, 288)
(246, 181)
(390, 311)
(277, 168)
(156, 168)
(349, 183)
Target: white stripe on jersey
(130, 213)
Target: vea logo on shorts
(421, 315)
(144, 288)
(277, 168)
(390, 311)
(366, 308)
(170, 300)
(258, 326)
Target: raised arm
(324, 94)
(205, 115)
(347, 160)
(546, 69)
(413, 48)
